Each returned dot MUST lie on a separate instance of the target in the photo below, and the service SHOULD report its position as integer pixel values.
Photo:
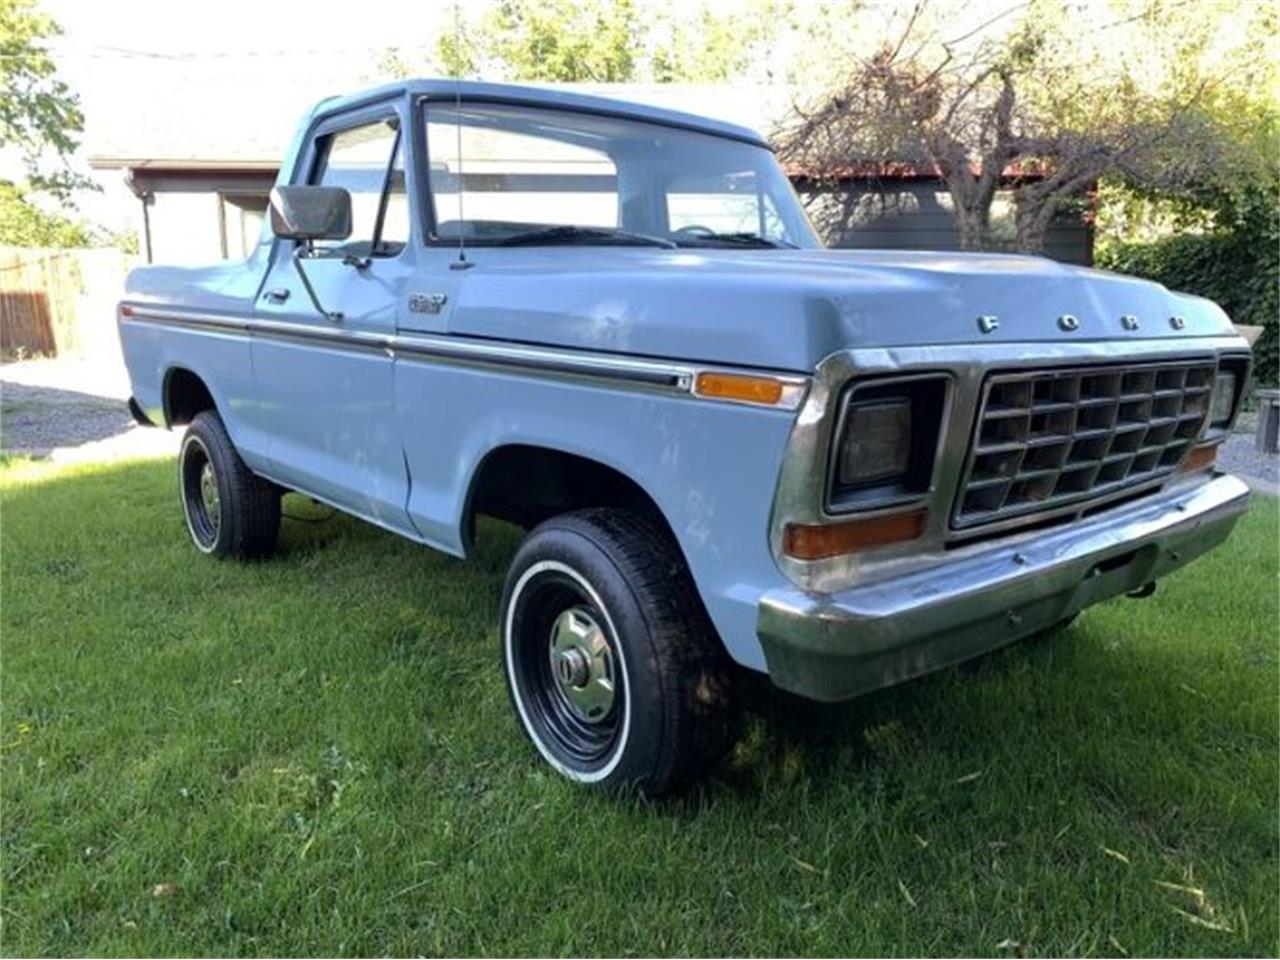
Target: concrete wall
(192, 227)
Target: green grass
(315, 755)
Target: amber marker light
(1200, 458)
(820, 541)
(744, 388)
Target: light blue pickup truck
(732, 448)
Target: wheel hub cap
(209, 495)
(582, 664)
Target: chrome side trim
(676, 377)
(666, 376)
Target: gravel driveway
(1240, 455)
(72, 410)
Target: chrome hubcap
(209, 495)
(582, 664)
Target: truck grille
(1048, 438)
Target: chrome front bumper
(836, 646)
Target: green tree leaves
(40, 120)
(39, 115)
(601, 41)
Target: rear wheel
(613, 668)
(230, 510)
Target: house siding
(916, 215)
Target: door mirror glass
(310, 213)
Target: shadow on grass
(784, 739)
(783, 736)
(333, 724)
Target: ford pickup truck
(733, 450)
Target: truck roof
(541, 97)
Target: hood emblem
(1129, 322)
(1177, 322)
(988, 324)
(1068, 323)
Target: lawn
(315, 755)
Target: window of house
(368, 161)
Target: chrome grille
(1049, 438)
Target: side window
(730, 203)
(368, 161)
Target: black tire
(230, 510)
(614, 575)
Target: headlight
(1224, 399)
(1228, 387)
(886, 441)
(877, 441)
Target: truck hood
(788, 309)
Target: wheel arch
(526, 483)
(184, 393)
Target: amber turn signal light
(733, 386)
(744, 388)
(1200, 458)
(819, 541)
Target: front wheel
(612, 665)
(230, 510)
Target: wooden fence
(56, 302)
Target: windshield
(537, 176)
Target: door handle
(278, 295)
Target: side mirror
(310, 213)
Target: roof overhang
(193, 164)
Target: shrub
(1235, 263)
(25, 224)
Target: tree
(1012, 105)
(40, 119)
(39, 116)
(24, 224)
(598, 41)
(559, 40)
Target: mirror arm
(298, 254)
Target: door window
(368, 162)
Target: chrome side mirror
(310, 213)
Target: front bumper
(836, 646)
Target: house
(193, 161)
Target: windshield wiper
(571, 234)
(739, 238)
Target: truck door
(324, 379)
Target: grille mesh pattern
(1051, 437)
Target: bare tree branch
(1004, 114)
